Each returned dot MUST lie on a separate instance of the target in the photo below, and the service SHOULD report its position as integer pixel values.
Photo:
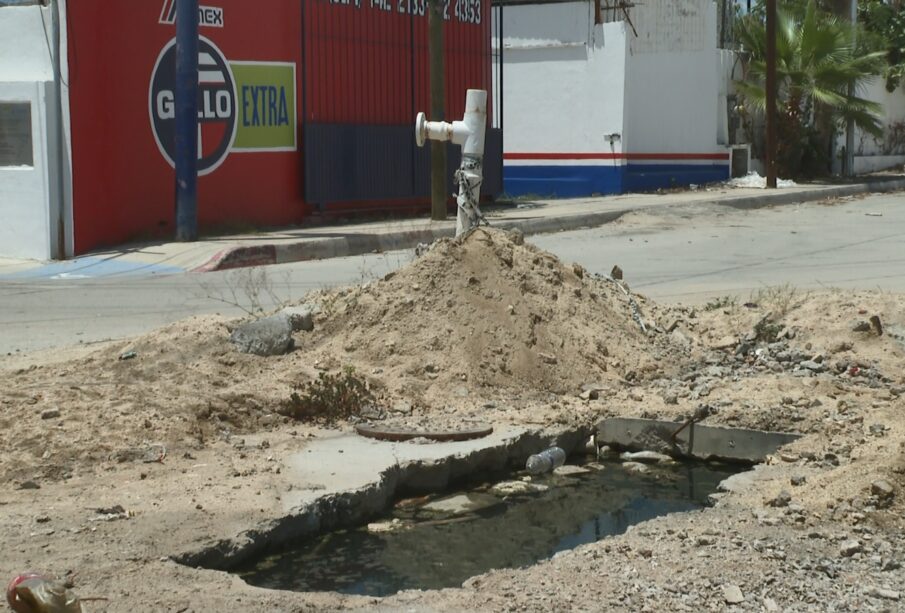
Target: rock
(879, 592)
(785, 456)
(672, 325)
(671, 399)
(635, 467)
(591, 394)
(460, 504)
(385, 526)
(648, 457)
(547, 358)
(679, 338)
(882, 489)
(264, 337)
(50, 414)
(726, 342)
(616, 273)
(841, 347)
(732, 594)
(850, 548)
(570, 470)
(770, 605)
(517, 488)
(861, 326)
(812, 366)
(782, 499)
(876, 325)
(798, 480)
(301, 317)
(29, 485)
(403, 408)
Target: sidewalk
(330, 241)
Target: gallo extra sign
(242, 106)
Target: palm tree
(819, 69)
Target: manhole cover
(391, 433)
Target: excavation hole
(442, 540)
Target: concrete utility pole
(770, 141)
(438, 108)
(186, 100)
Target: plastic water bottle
(545, 461)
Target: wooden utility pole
(770, 141)
(438, 110)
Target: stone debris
(648, 457)
(732, 594)
(461, 504)
(268, 336)
(882, 488)
(301, 317)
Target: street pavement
(688, 252)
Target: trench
(458, 510)
(478, 528)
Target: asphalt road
(690, 255)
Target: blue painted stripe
(91, 268)
(578, 181)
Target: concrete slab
(697, 441)
(462, 504)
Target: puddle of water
(435, 550)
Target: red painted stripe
(616, 156)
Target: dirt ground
(120, 456)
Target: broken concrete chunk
(726, 342)
(264, 337)
(861, 326)
(635, 467)
(882, 489)
(570, 470)
(517, 488)
(301, 317)
(648, 457)
(850, 548)
(732, 594)
(460, 504)
(782, 499)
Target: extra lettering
(264, 106)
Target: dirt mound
(486, 312)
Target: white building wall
(872, 154)
(563, 79)
(673, 87)
(29, 195)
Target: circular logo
(216, 105)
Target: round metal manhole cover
(394, 433)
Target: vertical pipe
(770, 157)
(438, 105)
(58, 250)
(186, 95)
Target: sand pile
(486, 312)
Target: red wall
(358, 68)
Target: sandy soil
(187, 436)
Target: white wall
(672, 85)
(25, 191)
(563, 79)
(29, 196)
(873, 154)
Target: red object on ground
(35, 593)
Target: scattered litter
(112, 513)
(753, 179)
(129, 355)
(874, 214)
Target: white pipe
(469, 134)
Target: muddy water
(433, 549)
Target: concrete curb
(359, 244)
